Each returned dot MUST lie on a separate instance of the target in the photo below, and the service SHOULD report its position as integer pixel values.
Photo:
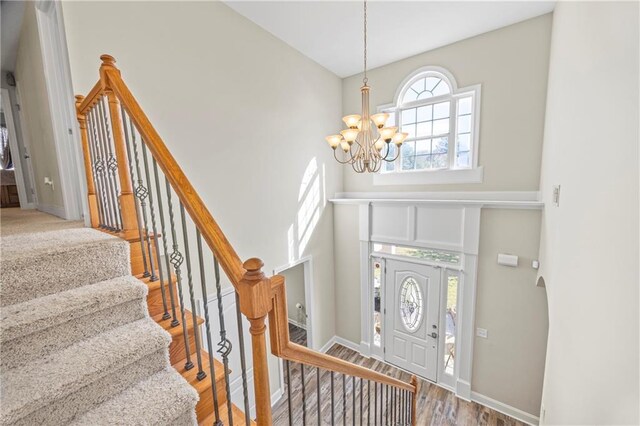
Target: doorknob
(26, 156)
(434, 335)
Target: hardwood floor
(297, 335)
(436, 406)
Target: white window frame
(473, 174)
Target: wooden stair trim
(237, 413)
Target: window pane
(423, 147)
(424, 95)
(420, 253)
(440, 145)
(464, 106)
(418, 86)
(377, 287)
(439, 161)
(409, 116)
(451, 321)
(441, 127)
(424, 129)
(410, 129)
(464, 142)
(432, 82)
(441, 89)
(408, 156)
(409, 96)
(441, 110)
(464, 124)
(411, 305)
(423, 162)
(425, 113)
(462, 160)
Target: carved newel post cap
(108, 60)
(79, 99)
(253, 267)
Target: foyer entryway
(412, 301)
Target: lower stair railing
(137, 191)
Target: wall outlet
(481, 332)
(556, 195)
(49, 181)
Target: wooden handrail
(259, 297)
(282, 347)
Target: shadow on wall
(311, 204)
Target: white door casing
(412, 317)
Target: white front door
(412, 302)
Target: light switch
(481, 332)
(507, 260)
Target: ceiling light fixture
(366, 137)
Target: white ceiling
(10, 25)
(330, 32)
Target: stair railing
(133, 182)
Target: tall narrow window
(451, 320)
(377, 288)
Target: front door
(411, 317)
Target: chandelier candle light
(366, 134)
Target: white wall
(242, 112)
(36, 115)
(589, 244)
(511, 64)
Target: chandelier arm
(342, 162)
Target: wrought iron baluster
(375, 403)
(224, 345)
(393, 405)
(101, 168)
(196, 335)
(174, 322)
(304, 397)
(243, 362)
(353, 400)
(176, 260)
(137, 205)
(318, 391)
(288, 367)
(207, 325)
(333, 411)
(368, 402)
(94, 163)
(142, 193)
(112, 166)
(344, 400)
(386, 404)
(156, 245)
(361, 406)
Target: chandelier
(366, 141)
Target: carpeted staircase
(77, 343)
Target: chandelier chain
(365, 79)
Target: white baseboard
(503, 408)
(297, 324)
(341, 341)
(54, 210)
(276, 396)
(328, 345)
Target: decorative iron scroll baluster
(286, 364)
(344, 400)
(333, 407)
(304, 397)
(243, 362)
(224, 346)
(196, 335)
(176, 260)
(138, 213)
(141, 193)
(156, 244)
(94, 162)
(318, 392)
(174, 322)
(101, 170)
(207, 325)
(111, 166)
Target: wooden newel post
(127, 197)
(88, 167)
(255, 303)
(414, 408)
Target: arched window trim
(451, 174)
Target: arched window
(441, 120)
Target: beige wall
(589, 244)
(294, 279)
(233, 104)
(511, 64)
(508, 366)
(36, 114)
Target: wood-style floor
(436, 406)
(297, 335)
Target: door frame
(7, 107)
(55, 59)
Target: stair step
(154, 298)
(177, 347)
(203, 387)
(163, 399)
(57, 388)
(236, 413)
(37, 327)
(30, 260)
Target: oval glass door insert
(411, 304)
